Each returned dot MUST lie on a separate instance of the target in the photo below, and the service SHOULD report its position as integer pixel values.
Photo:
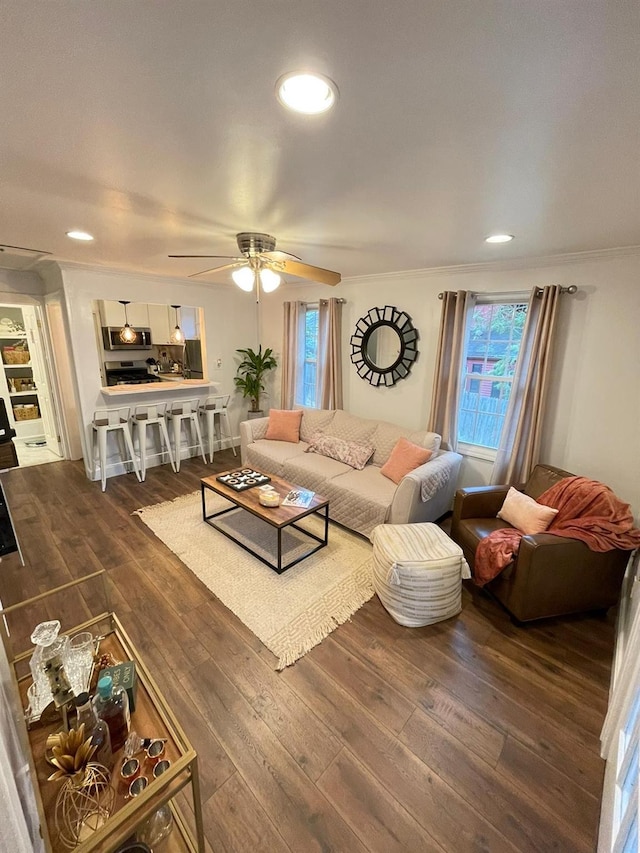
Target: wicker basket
(26, 413)
(15, 356)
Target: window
(621, 731)
(492, 345)
(307, 386)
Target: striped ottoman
(417, 572)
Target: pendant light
(127, 333)
(177, 336)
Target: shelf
(23, 393)
(152, 718)
(13, 336)
(11, 366)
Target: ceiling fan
(262, 265)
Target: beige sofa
(357, 499)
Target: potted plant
(251, 371)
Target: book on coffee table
(298, 497)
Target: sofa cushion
(312, 471)
(405, 457)
(284, 425)
(350, 427)
(525, 514)
(386, 436)
(313, 420)
(360, 499)
(270, 456)
(350, 452)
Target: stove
(128, 373)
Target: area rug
(290, 613)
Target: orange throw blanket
(587, 510)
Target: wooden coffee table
(278, 517)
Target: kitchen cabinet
(160, 317)
(112, 314)
(152, 717)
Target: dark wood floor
(470, 735)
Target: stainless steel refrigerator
(193, 360)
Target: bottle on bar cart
(96, 729)
(112, 705)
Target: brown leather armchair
(551, 575)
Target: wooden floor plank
(373, 814)
(528, 826)
(236, 820)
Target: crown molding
(120, 272)
(503, 265)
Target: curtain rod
(571, 290)
(338, 299)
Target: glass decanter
(48, 645)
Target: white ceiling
(154, 126)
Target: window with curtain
(491, 347)
(307, 387)
(311, 373)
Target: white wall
(229, 323)
(593, 415)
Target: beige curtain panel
(330, 354)
(519, 449)
(446, 382)
(293, 316)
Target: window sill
(475, 451)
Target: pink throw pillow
(284, 425)
(405, 456)
(525, 514)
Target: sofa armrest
(250, 431)
(408, 506)
(479, 501)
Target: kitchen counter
(160, 388)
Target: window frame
(302, 360)
(469, 449)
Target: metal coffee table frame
(322, 511)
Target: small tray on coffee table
(243, 478)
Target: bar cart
(152, 715)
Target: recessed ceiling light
(499, 238)
(79, 235)
(306, 93)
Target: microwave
(111, 339)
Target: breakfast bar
(162, 389)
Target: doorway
(26, 385)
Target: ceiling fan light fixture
(269, 280)
(305, 93)
(244, 278)
(499, 238)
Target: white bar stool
(104, 422)
(185, 411)
(216, 407)
(150, 416)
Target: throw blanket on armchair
(587, 510)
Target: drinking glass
(80, 660)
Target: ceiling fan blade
(277, 255)
(203, 256)
(309, 272)
(219, 269)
